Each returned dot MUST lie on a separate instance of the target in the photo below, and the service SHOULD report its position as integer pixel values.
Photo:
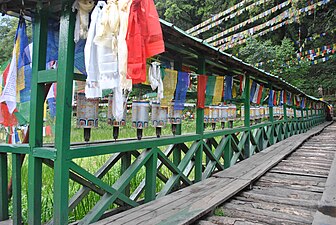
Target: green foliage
(277, 59)
(8, 26)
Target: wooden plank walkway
(295, 191)
(190, 204)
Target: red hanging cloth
(144, 38)
(201, 87)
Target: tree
(279, 60)
(188, 13)
(8, 26)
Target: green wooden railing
(189, 158)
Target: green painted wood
(108, 198)
(36, 116)
(17, 148)
(82, 172)
(182, 166)
(65, 75)
(115, 147)
(150, 188)
(247, 152)
(47, 76)
(199, 125)
(34, 190)
(171, 166)
(16, 182)
(3, 187)
(125, 163)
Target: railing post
(65, 76)
(125, 163)
(16, 181)
(285, 119)
(199, 124)
(3, 187)
(36, 117)
(150, 188)
(271, 119)
(247, 152)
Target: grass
(104, 132)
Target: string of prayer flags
(169, 83)
(218, 92)
(228, 87)
(287, 17)
(248, 21)
(210, 88)
(181, 90)
(201, 88)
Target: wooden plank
(298, 216)
(260, 218)
(326, 213)
(231, 220)
(286, 193)
(308, 171)
(256, 197)
(287, 209)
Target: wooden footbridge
(287, 183)
(243, 165)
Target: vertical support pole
(271, 119)
(199, 124)
(286, 120)
(65, 76)
(16, 171)
(150, 187)
(125, 163)
(3, 187)
(36, 118)
(247, 152)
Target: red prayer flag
(201, 87)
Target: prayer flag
(169, 84)
(253, 89)
(201, 87)
(218, 93)
(270, 98)
(181, 90)
(255, 96)
(260, 94)
(210, 90)
(228, 87)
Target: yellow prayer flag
(169, 86)
(218, 91)
(234, 91)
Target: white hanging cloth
(92, 87)
(83, 7)
(155, 79)
(107, 29)
(9, 91)
(124, 10)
